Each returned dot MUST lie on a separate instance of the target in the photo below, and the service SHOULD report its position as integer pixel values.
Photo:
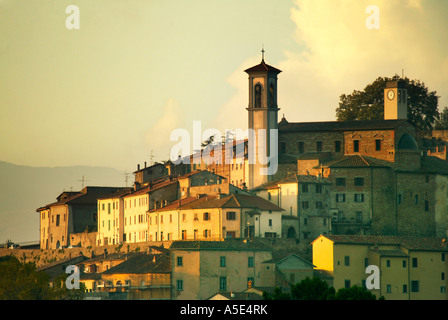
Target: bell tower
(263, 114)
(395, 101)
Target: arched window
(257, 95)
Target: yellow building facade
(409, 268)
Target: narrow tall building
(263, 115)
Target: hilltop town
(346, 195)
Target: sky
(111, 92)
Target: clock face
(391, 94)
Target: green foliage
(21, 281)
(62, 292)
(354, 293)
(442, 122)
(311, 289)
(317, 289)
(369, 103)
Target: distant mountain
(23, 189)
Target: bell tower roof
(263, 67)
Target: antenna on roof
(151, 158)
(126, 177)
(82, 182)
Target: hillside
(24, 189)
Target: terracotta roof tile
(411, 243)
(262, 67)
(342, 125)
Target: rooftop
(142, 263)
(262, 67)
(410, 243)
(285, 126)
(234, 200)
(228, 244)
(88, 195)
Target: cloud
(340, 54)
(157, 138)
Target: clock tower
(395, 101)
(263, 114)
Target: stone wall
(42, 257)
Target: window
(359, 197)
(378, 145)
(405, 288)
(337, 146)
(359, 182)
(270, 222)
(282, 147)
(340, 181)
(416, 199)
(301, 147)
(231, 215)
(388, 263)
(426, 205)
(319, 146)
(355, 145)
(414, 263)
(305, 205)
(222, 283)
(399, 198)
(442, 289)
(179, 261)
(347, 283)
(319, 205)
(442, 276)
(180, 285)
(443, 256)
(347, 261)
(57, 219)
(388, 288)
(340, 197)
(359, 216)
(318, 188)
(250, 262)
(304, 187)
(206, 216)
(184, 234)
(222, 261)
(414, 286)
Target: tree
(311, 289)
(21, 281)
(354, 293)
(442, 122)
(369, 103)
(317, 289)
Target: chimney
(145, 164)
(138, 167)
